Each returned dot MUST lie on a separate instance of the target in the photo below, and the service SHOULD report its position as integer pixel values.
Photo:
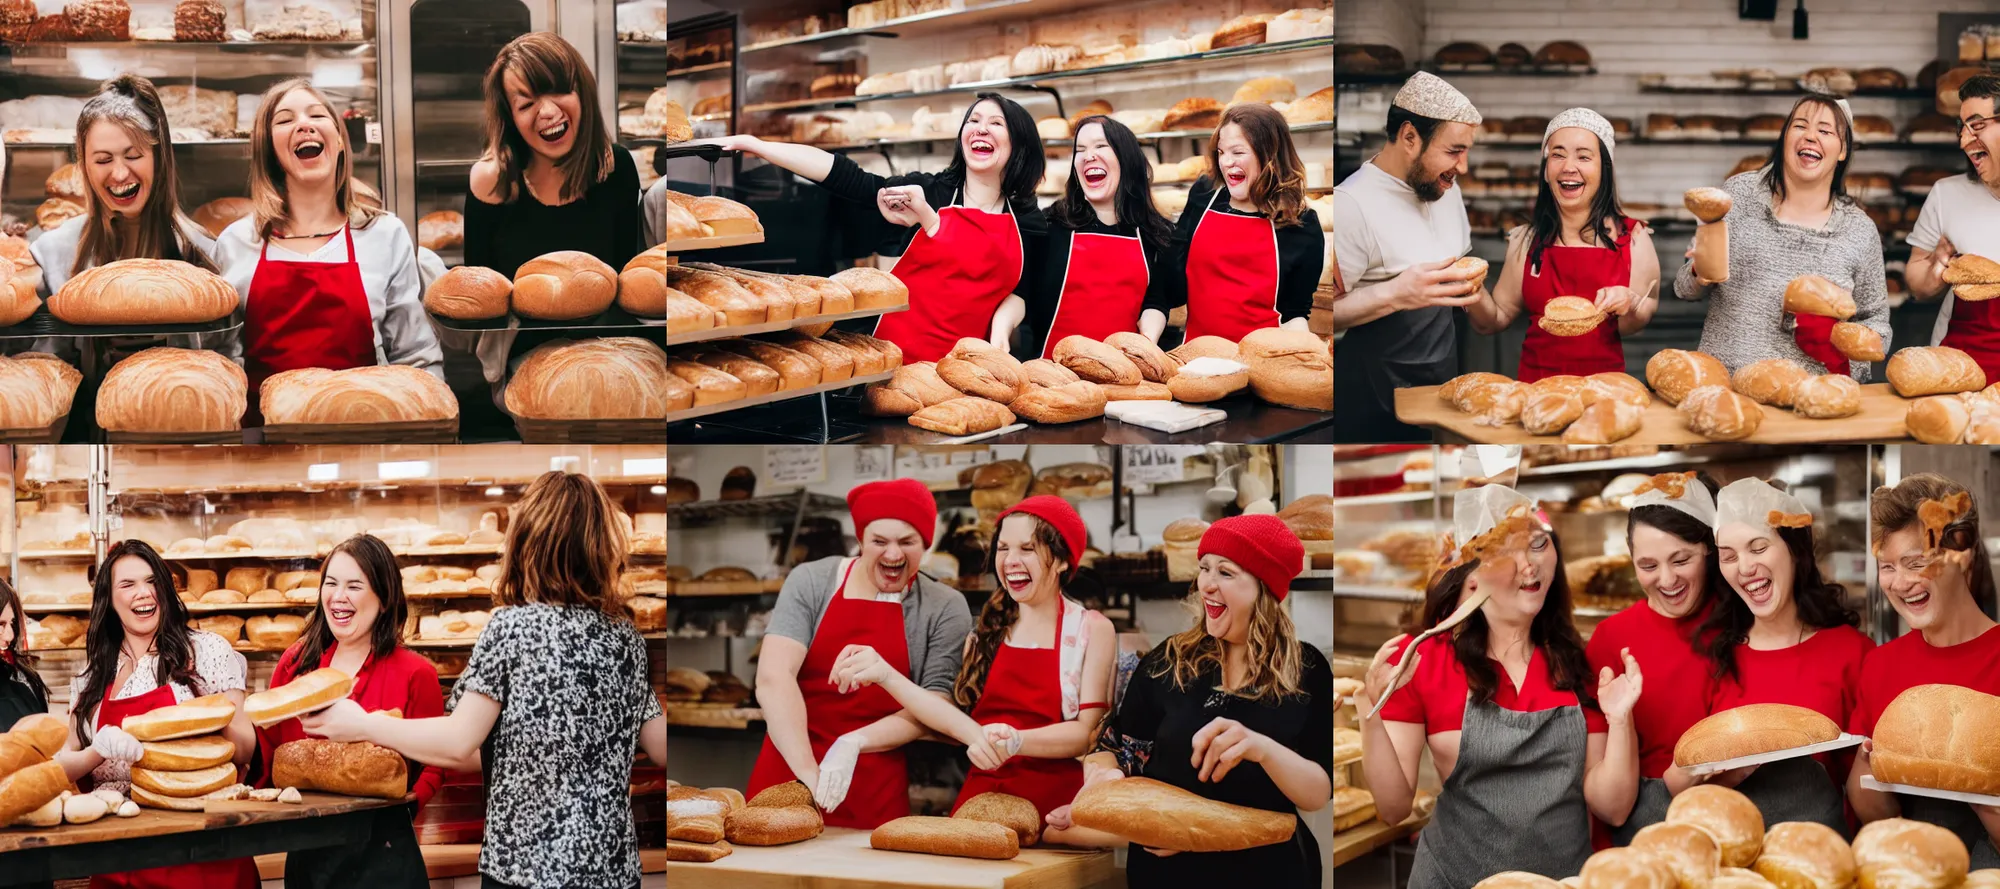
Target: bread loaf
(772, 825)
(779, 301)
(1939, 419)
(790, 793)
(1208, 379)
(1162, 816)
(1142, 391)
(247, 579)
(795, 369)
(910, 389)
(1068, 403)
(1604, 422)
(980, 369)
(1289, 367)
(721, 215)
(32, 788)
(1095, 361)
(1897, 853)
(873, 288)
(643, 291)
(1673, 373)
(302, 695)
(564, 285)
(872, 355)
(151, 800)
(1828, 397)
(758, 378)
(1939, 736)
(390, 393)
(1204, 347)
(1154, 365)
(1626, 868)
(703, 853)
(1857, 342)
(1719, 414)
(719, 292)
(695, 815)
(610, 378)
(469, 293)
(1006, 810)
(836, 361)
(710, 386)
(1934, 370)
(1805, 854)
(1728, 816)
(187, 754)
(144, 291)
(185, 784)
(1549, 413)
(196, 716)
(35, 389)
(1750, 730)
(1814, 295)
(41, 732)
(354, 769)
(440, 230)
(962, 416)
(1707, 204)
(173, 390)
(1515, 879)
(962, 838)
(1770, 381)
(1685, 849)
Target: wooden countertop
(156, 822)
(841, 859)
(1880, 419)
(1351, 844)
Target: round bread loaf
(1752, 729)
(1687, 850)
(1720, 414)
(1728, 816)
(1771, 381)
(1987, 878)
(1939, 736)
(1897, 853)
(389, 393)
(144, 291)
(221, 213)
(35, 389)
(643, 291)
(441, 230)
(873, 288)
(1827, 397)
(1673, 373)
(1515, 879)
(1570, 316)
(1627, 868)
(173, 390)
(564, 285)
(610, 378)
(1289, 367)
(1707, 204)
(469, 293)
(1806, 855)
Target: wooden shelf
(271, 554)
(719, 333)
(726, 406)
(249, 607)
(56, 609)
(56, 554)
(1351, 844)
(696, 715)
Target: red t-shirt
(402, 681)
(1437, 690)
(1822, 673)
(1908, 660)
(1678, 682)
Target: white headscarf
(1680, 491)
(1429, 95)
(1754, 502)
(1582, 118)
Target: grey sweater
(1746, 315)
(936, 620)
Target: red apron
(1103, 289)
(239, 873)
(305, 314)
(956, 280)
(1975, 329)
(880, 791)
(1024, 690)
(1232, 274)
(1574, 271)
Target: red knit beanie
(904, 498)
(1061, 516)
(1262, 544)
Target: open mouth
(339, 614)
(309, 149)
(1809, 157)
(1236, 177)
(1978, 156)
(1672, 595)
(1917, 600)
(145, 609)
(1757, 590)
(1569, 188)
(1212, 609)
(1532, 587)
(1095, 175)
(124, 193)
(980, 147)
(554, 133)
(889, 576)
(1017, 581)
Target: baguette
(16, 755)
(302, 695)
(772, 825)
(354, 769)
(42, 732)
(956, 837)
(196, 716)
(1934, 370)
(30, 789)
(1006, 810)
(1162, 816)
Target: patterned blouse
(219, 666)
(573, 693)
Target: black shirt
(1045, 290)
(858, 213)
(18, 700)
(603, 223)
(1301, 254)
(1154, 711)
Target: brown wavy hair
(997, 616)
(356, 200)
(159, 231)
(1280, 189)
(1894, 509)
(1275, 660)
(565, 546)
(548, 65)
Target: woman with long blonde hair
(555, 695)
(329, 279)
(1235, 708)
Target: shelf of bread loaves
(198, 22)
(730, 374)
(708, 302)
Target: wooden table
(156, 838)
(1351, 844)
(841, 859)
(1880, 419)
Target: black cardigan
(1301, 253)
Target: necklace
(278, 237)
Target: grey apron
(1797, 789)
(1958, 818)
(1514, 800)
(1648, 809)
(1418, 347)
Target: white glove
(115, 745)
(836, 770)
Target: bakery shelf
(42, 324)
(1497, 71)
(344, 45)
(478, 549)
(783, 395)
(65, 146)
(715, 243)
(867, 144)
(1784, 88)
(419, 432)
(1356, 842)
(33, 554)
(1378, 593)
(272, 554)
(614, 318)
(701, 69)
(1036, 80)
(719, 333)
(1662, 460)
(703, 511)
(940, 21)
(713, 717)
(466, 642)
(1895, 145)
(55, 609)
(248, 607)
(1377, 499)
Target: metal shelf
(754, 507)
(1660, 460)
(939, 21)
(700, 69)
(1379, 499)
(1377, 593)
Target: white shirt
(218, 665)
(389, 276)
(1961, 209)
(1381, 228)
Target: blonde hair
(1275, 661)
(565, 546)
(270, 205)
(159, 231)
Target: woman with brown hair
(1249, 249)
(1037, 670)
(328, 278)
(555, 695)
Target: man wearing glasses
(1962, 216)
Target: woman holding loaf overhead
(328, 278)
(555, 696)
(1037, 672)
(1784, 638)
(968, 236)
(1935, 572)
(357, 630)
(141, 656)
(1789, 220)
(839, 736)
(1669, 533)
(1506, 705)
(1104, 244)
(1248, 249)
(1236, 709)
(1581, 248)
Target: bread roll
(1807, 855)
(1515, 879)
(35, 389)
(1549, 413)
(962, 416)
(564, 285)
(1857, 342)
(610, 378)
(18, 299)
(354, 769)
(1986, 878)
(947, 836)
(643, 291)
(1627, 868)
(1814, 295)
(980, 369)
(1707, 204)
(1204, 347)
(187, 754)
(390, 393)
(1570, 316)
(173, 390)
(1728, 816)
(1673, 373)
(1770, 381)
(1828, 397)
(1719, 414)
(1162, 816)
(1604, 422)
(790, 793)
(441, 230)
(1686, 849)
(302, 695)
(1934, 370)
(1288, 367)
(1154, 365)
(873, 288)
(144, 291)
(1939, 736)
(1897, 853)
(1095, 361)
(1752, 729)
(1068, 403)
(772, 825)
(469, 293)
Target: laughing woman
(1105, 244)
(1506, 707)
(1784, 638)
(1577, 243)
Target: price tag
(374, 131)
(793, 465)
(873, 463)
(1153, 464)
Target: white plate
(1980, 799)
(1705, 768)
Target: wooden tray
(1880, 419)
(234, 436)
(717, 333)
(592, 431)
(841, 859)
(50, 434)
(420, 432)
(781, 395)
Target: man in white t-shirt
(1962, 215)
(1399, 223)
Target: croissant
(962, 416)
(144, 291)
(393, 393)
(173, 390)
(612, 378)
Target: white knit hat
(1429, 95)
(1583, 118)
(1677, 490)
(1754, 502)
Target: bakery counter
(1249, 421)
(156, 838)
(1349, 845)
(841, 859)
(1881, 418)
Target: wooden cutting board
(155, 822)
(841, 859)
(1880, 419)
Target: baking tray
(420, 432)
(233, 436)
(636, 431)
(43, 324)
(614, 318)
(1757, 759)
(1977, 799)
(50, 434)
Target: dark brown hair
(24, 664)
(159, 231)
(1774, 174)
(1552, 631)
(998, 615)
(1894, 509)
(1280, 189)
(565, 546)
(106, 634)
(385, 579)
(548, 65)
(1819, 603)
